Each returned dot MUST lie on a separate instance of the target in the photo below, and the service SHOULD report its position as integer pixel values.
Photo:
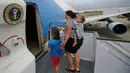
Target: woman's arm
(75, 40)
(68, 28)
(67, 35)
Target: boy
(79, 28)
(54, 48)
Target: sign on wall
(13, 14)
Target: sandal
(68, 69)
(77, 70)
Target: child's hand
(48, 49)
(74, 44)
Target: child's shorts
(55, 61)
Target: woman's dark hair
(55, 33)
(71, 13)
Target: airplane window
(4, 51)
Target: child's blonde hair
(82, 18)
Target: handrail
(108, 39)
(43, 53)
(121, 59)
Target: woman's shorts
(69, 48)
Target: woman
(70, 42)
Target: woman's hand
(74, 44)
(62, 45)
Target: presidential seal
(13, 14)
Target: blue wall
(49, 12)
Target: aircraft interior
(31, 30)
